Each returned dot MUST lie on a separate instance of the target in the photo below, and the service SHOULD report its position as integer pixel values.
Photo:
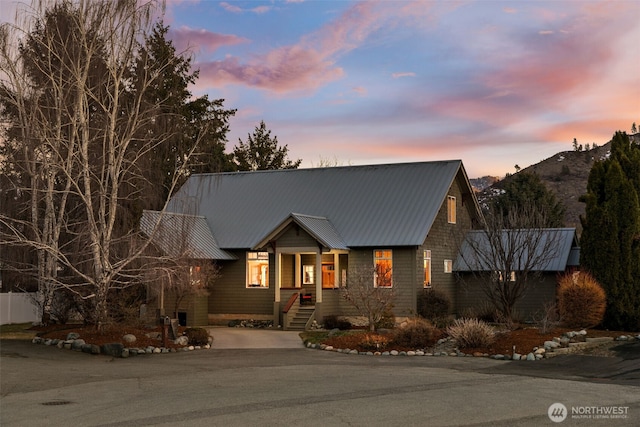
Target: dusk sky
(493, 83)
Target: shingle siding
(229, 294)
(472, 300)
(444, 240)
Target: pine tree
(261, 152)
(527, 188)
(610, 243)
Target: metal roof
(318, 227)
(182, 235)
(564, 240)
(375, 205)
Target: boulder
(129, 338)
(182, 340)
(112, 349)
(77, 344)
(73, 336)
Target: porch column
(278, 275)
(319, 276)
(298, 270)
(276, 300)
(336, 270)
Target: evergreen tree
(610, 243)
(525, 188)
(191, 122)
(261, 152)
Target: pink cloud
(281, 70)
(185, 38)
(306, 65)
(236, 9)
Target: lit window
(427, 269)
(512, 276)
(257, 269)
(451, 209)
(383, 263)
(448, 266)
(194, 274)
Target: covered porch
(310, 265)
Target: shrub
(387, 321)
(547, 318)
(374, 342)
(484, 311)
(470, 333)
(197, 336)
(581, 300)
(334, 322)
(433, 304)
(417, 333)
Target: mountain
(566, 174)
(479, 184)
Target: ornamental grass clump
(581, 300)
(471, 333)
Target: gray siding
(295, 237)
(229, 294)
(471, 297)
(444, 240)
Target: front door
(328, 276)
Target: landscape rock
(551, 344)
(77, 344)
(129, 338)
(73, 336)
(182, 340)
(112, 349)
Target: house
(285, 235)
(540, 254)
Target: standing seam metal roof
(567, 249)
(182, 235)
(375, 205)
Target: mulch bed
(523, 340)
(112, 334)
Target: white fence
(18, 308)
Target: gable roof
(391, 205)
(182, 235)
(318, 227)
(567, 254)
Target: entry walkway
(239, 338)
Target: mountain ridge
(565, 173)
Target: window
(309, 274)
(451, 209)
(427, 269)
(448, 266)
(499, 276)
(194, 275)
(383, 263)
(257, 269)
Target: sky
(493, 83)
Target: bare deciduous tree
(73, 95)
(369, 300)
(509, 253)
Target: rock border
(569, 342)
(75, 343)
